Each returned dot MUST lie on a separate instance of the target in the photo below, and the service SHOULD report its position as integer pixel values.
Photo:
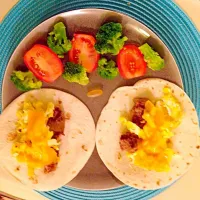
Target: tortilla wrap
(185, 141)
(77, 143)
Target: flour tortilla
(76, 147)
(185, 141)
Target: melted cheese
(32, 146)
(154, 151)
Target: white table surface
(187, 188)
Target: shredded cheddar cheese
(33, 136)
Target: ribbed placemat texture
(162, 16)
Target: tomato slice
(43, 63)
(83, 52)
(131, 62)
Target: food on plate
(147, 134)
(154, 124)
(25, 81)
(83, 56)
(43, 63)
(42, 137)
(130, 62)
(154, 61)
(95, 92)
(107, 69)
(57, 40)
(83, 52)
(110, 39)
(36, 144)
(75, 73)
(129, 142)
(138, 111)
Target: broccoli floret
(57, 40)
(154, 61)
(75, 73)
(25, 81)
(107, 69)
(110, 39)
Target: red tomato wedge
(130, 62)
(43, 63)
(83, 52)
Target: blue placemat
(162, 16)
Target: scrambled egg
(154, 151)
(33, 144)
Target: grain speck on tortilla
(84, 148)
(182, 94)
(194, 122)
(73, 172)
(198, 147)
(124, 173)
(17, 168)
(119, 156)
(170, 178)
(75, 133)
(113, 97)
(34, 180)
(67, 152)
(188, 163)
(79, 132)
(158, 182)
(191, 155)
(67, 116)
(100, 142)
(126, 95)
(11, 137)
(108, 164)
(193, 109)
